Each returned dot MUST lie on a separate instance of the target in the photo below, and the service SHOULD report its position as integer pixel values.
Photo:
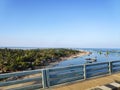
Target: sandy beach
(82, 53)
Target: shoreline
(80, 54)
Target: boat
(91, 59)
(88, 59)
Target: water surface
(113, 54)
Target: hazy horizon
(60, 23)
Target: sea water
(114, 54)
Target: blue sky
(60, 23)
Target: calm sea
(113, 54)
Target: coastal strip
(13, 60)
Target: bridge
(77, 77)
(90, 83)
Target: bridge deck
(83, 85)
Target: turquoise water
(114, 54)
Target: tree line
(12, 60)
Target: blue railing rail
(15, 78)
(59, 75)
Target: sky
(60, 23)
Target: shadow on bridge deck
(83, 85)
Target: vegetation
(17, 59)
(100, 52)
(107, 52)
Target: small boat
(91, 59)
(94, 60)
(88, 59)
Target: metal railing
(59, 75)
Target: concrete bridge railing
(54, 76)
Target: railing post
(47, 76)
(110, 67)
(84, 70)
(44, 79)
